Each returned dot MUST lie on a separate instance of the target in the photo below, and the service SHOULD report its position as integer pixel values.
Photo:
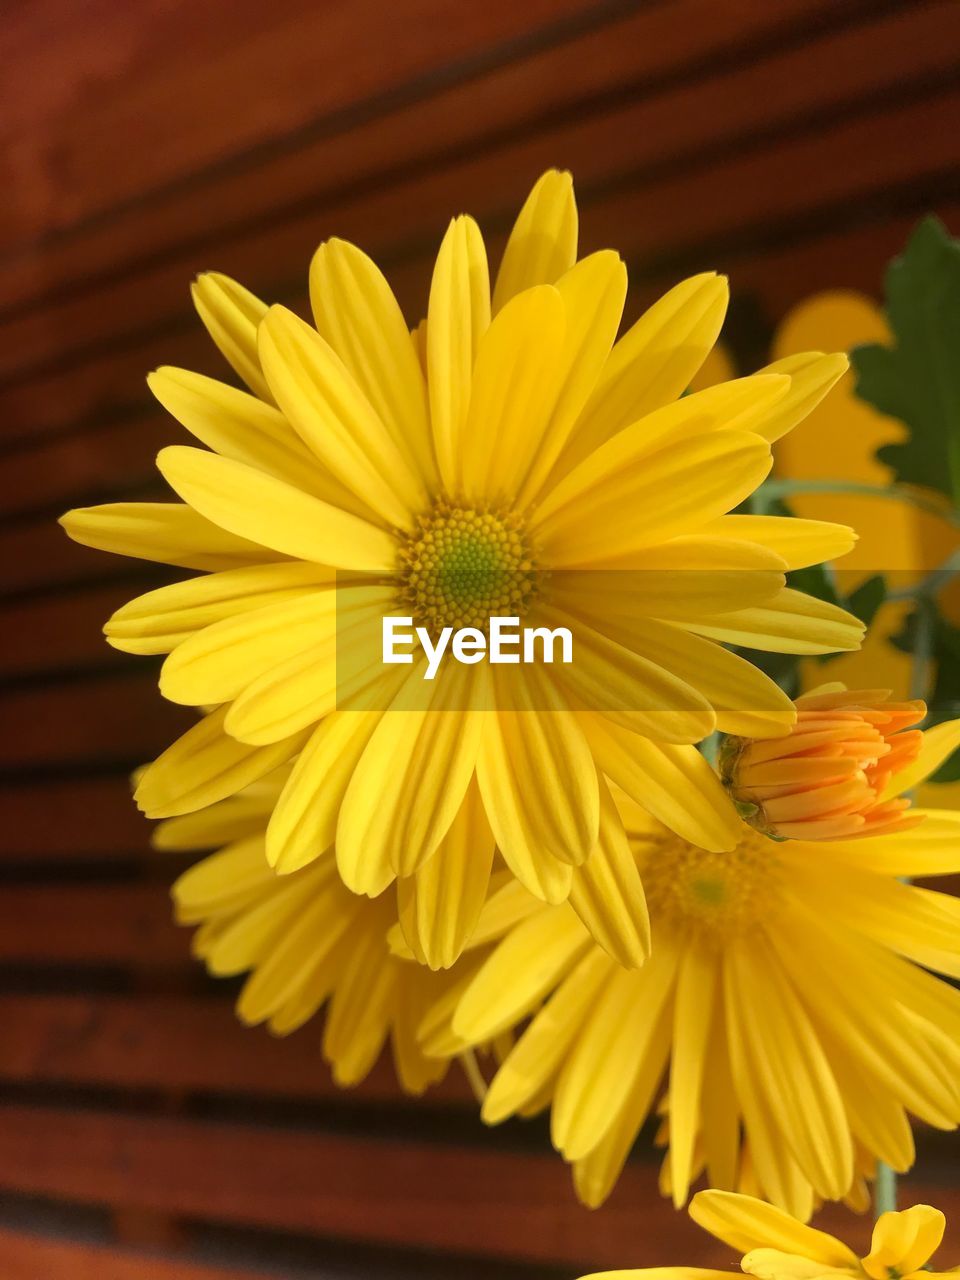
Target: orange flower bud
(825, 778)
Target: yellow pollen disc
(461, 567)
(715, 895)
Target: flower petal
(168, 532)
(356, 312)
(939, 743)
(158, 621)
(745, 1223)
(631, 498)
(538, 782)
(439, 906)
(333, 416)
(692, 1017)
(249, 503)
(516, 379)
(674, 783)
(904, 1241)
(593, 294)
(206, 765)
(412, 777)
(799, 542)
(607, 892)
(543, 242)
(231, 315)
(812, 374)
(457, 318)
(792, 623)
(653, 362)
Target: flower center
(462, 566)
(716, 895)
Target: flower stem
(884, 1190)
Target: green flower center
(462, 566)
(715, 895)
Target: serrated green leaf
(917, 379)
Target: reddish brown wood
(176, 88)
(121, 926)
(189, 1044)
(475, 1200)
(25, 1256)
(91, 818)
(107, 718)
(54, 632)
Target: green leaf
(943, 699)
(918, 378)
(867, 598)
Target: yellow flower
(489, 466)
(829, 776)
(786, 1003)
(777, 1247)
(305, 941)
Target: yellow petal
(249, 503)
(231, 315)
(529, 962)
(904, 1241)
(939, 743)
(793, 623)
(228, 820)
(458, 317)
(160, 620)
(205, 766)
(543, 242)
(516, 379)
(639, 498)
(798, 542)
(539, 784)
(745, 1223)
(930, 849)
(542, 1047)
(304, 821)
(220, 661)
(660, 1273)
(167, 532)
(340, 666)
(812, 374)
(222, 882)
(356, 312)
(439, 906)
(674, 783)
(330, 412)
(625, 687)
(693, 1013)
(771, 1264)
(593, 294)
(607, 893)
(653, 363)
(412, 777)
(595, 1081)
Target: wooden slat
(519, 92)
(37, 554)
(656, 214)
(34, 1257)
(60, 631)
(475, 1201)
(181, 1044)
(111, 718)
(93, 819)
(172, 83)
(120, 926)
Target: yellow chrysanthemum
(777, 1247)
(489, 466)
(784, 1007)
(304, 939)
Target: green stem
(773, 489)
(885, 1181)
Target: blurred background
(143, 1134)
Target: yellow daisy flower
(785, 1006)
(489, 466)
(305, 941)
(777, 1247)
